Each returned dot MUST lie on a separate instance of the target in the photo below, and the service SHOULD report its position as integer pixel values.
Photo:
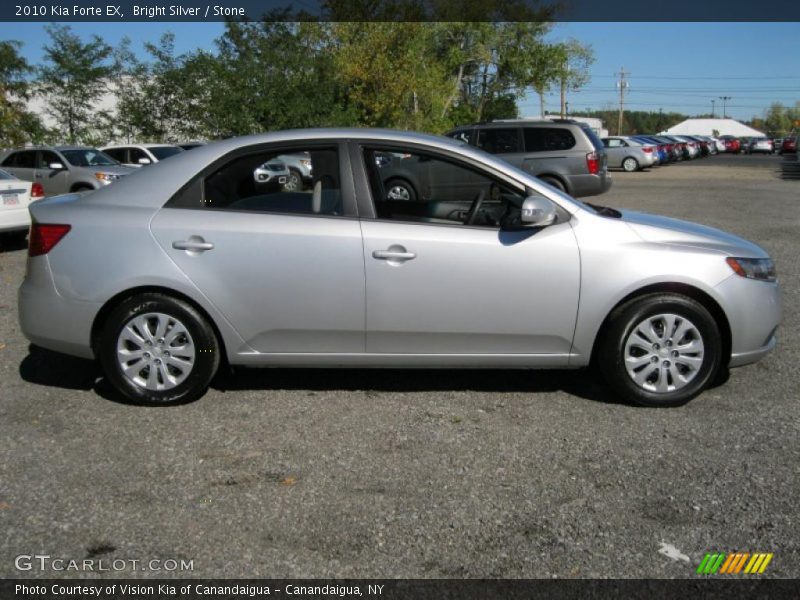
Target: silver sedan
(486, 267)
(629, 154)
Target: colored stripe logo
(733, 564)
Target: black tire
(630, 164)
(206, 349)
(410, 194)
(611, 350)
(556, 183)
(82, 188)
(295, 181)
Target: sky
(678, 67)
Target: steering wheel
(473, 210)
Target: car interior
(234, 186)
(446, 193)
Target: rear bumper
(589, 185)
(16, 219)
(50, 320)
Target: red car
(732, 144)
(789, 145)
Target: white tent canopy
(710, 126)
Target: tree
(73, 79)
(572, 61)
(17, 125)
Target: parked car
(300, 175)
(776, 144)
(563, 153)
(629, 154)
(62, 169)
(732, 144)
(665, 155)
(760, 145)
(509, 273)
(789, 145)
(271, 174)
(15, 197)
(140, 155)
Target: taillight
(593, 163)
(43, 238)
(37, 191)
(647, 149)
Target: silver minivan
(564, 153)
(505, 272)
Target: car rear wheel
(660, 350)
(630, 164)
(156, 349)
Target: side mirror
(537, 211)
(144, 161)
(56, 166)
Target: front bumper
(754, 313)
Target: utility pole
(623, 85)
(724, 105)
(712, 108)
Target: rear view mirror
(144, 161)
(538, 211)
(56, 166)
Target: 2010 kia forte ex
(194, 261)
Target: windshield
(162, 152)
(88, 157)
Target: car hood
(665, 230)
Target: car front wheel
(156, 349)
(660, 350)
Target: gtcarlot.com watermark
(45, 562)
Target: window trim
(349, 209)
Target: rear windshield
(596, 141)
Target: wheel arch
(105, 311)
(558, 177)
(709, 303)
(81, 185)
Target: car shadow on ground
(52, 369)
(12, 242)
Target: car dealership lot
(303, 473)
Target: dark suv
(565, 153)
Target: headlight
(762, 269)
(106, 177)
(306, 163)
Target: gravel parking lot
(301, 473)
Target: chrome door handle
(193, 244)
(393, 255)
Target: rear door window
(549, 139)
(499, 141)
(22, 160)
(118, 154)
